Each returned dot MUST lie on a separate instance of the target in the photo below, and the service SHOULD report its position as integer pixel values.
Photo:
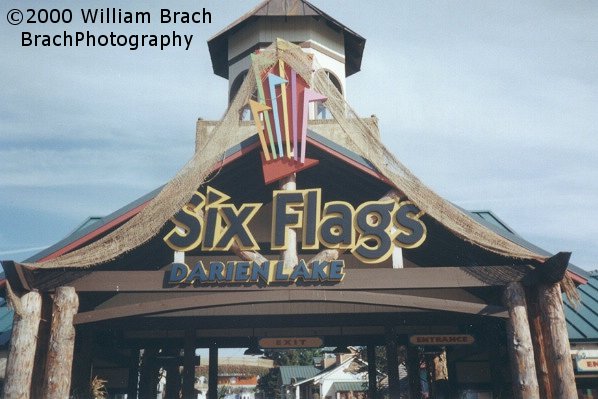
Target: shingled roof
(218, 44)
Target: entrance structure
(291, 225)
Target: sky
(494, 105)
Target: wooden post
(82, 361)
(413, 371)
(289, 255)
(392, 360)
(519, 343)
(20, 364)
(133, 379)
(538, 342)
(372, 372)
(556, 339)
(59, 363)
(148, 377)
(189, 365)
(213, 373)
(173, 379)
(41, 352)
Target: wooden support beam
(41, 352)
(538, 342)
(356, 279)
(59, 363)
(519, 344)
(133, 380)
(372, 372)
(556, 339)
(284, 295)
(250, 256)
(289, 255)
(21, 358)
(148, 373)
(213, 372)
(413, 371)
(173, 376)
(392, 361)
(82, 361)
(189, 365)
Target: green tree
(293, 357)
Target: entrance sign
(370, 231)
(291, 343)
(453, 339)
(587, 360)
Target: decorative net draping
(361, 139)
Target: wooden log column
(133, 380)
(392, 361)
(413, 371)
(535, 324)
(372, 372)
(189, 365)
(19, 368)
(41, 352)
(59, 362)
(519, 344)
(213, 372)
(148, 373)
(82, 361)
(556, 339)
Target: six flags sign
(369, 231)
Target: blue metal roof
(582, 322)
(6, 318)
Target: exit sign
(291, 342)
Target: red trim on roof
(577, 278)
(92, 234)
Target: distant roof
(582, 322)
(218, 44)
(298, 373)
(90, 221)
(6, 319)
(350, 386)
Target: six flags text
(370, 231)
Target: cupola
(335, 47)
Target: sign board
(291, 342)
(369, 231)
(212, 222)
(442, 340)
(587, 360)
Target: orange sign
(291, 342)
(441, 340)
